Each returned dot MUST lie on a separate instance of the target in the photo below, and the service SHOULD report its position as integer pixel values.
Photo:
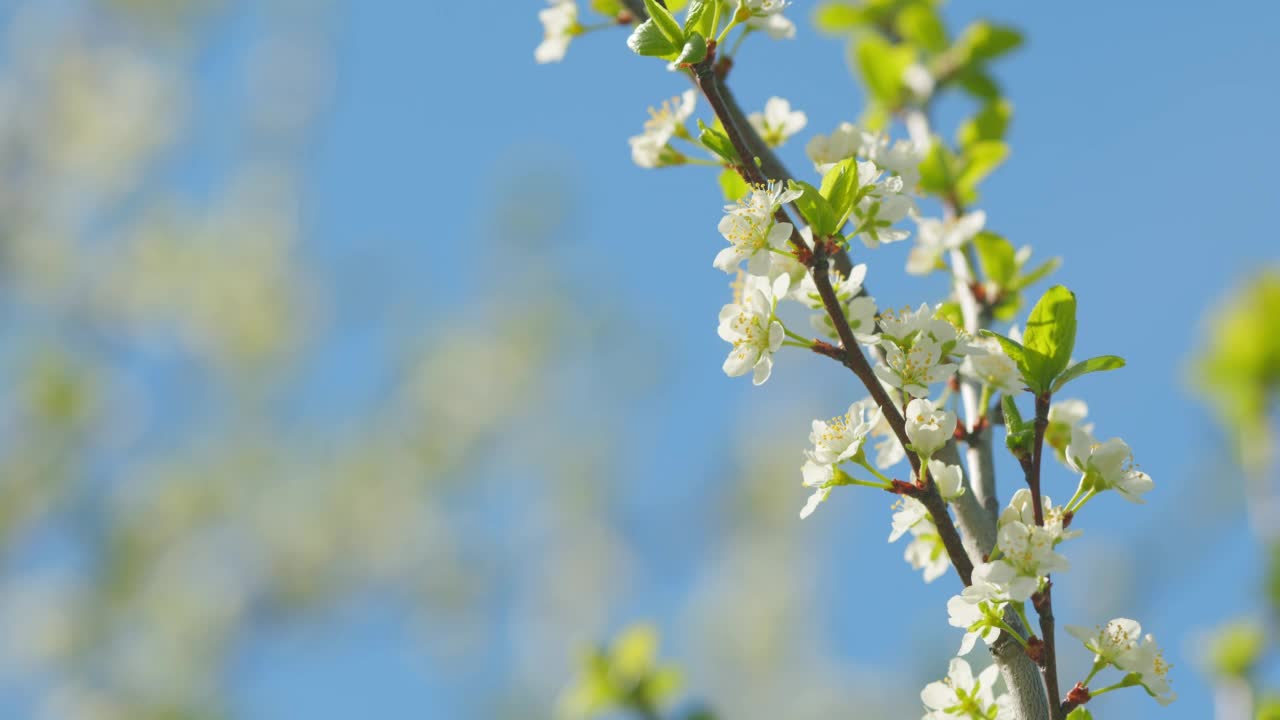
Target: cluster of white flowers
(935, 238)
(835, 441)
(766, 15)
(752, 327)
(1106, 466)
(1120, 644)
(961, 696)
(559, 26)
(869, 188)
(778, 122)
(652, 148)
(917, 348)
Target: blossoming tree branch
(942, 379)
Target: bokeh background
(351, 369)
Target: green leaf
(649, 40)
(662, 17)
(635, 651)
(816, 210)
(990, 123)
(1039, 273)
(1101, 363)
(921, 25)
(839, 17)
(732, 185)
(882, 65)
(937, 170)
(987, 41)
(702, 18)
(695, 49)
(840, 188)
(980, 159)
(1080, 713)
(609, 8)
(997, 257)
(978, 84)
(1050, 335)
(1012, 418)
(718, 143)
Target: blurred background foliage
(219, 434)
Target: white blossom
(910, 512)
(860, 310)
(778, 122)
(753, 233)
(914, 370)
(1110, 642)
(972, 616)
(754, 332)
(650, 149)
(767, 15)
(928, 427)
(926, 551)
(934, 238)
(1107, 465)
(1022, 510)
(840, 438)
(918, 80)
(948, 478)
(884, 206)
(1029, 550)
(961, 696)
(1147, 660)
(992, 367)
(844, 142)
(559, 25)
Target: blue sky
(1143, 153)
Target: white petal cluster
(917, 345)
(859, 310)
(559, 25)
(934, 238)
(1021, 510)
(753, 233)
(753, 330)
(948, 478)
(961, 696)
(901, 158)
(1064, 416)
(1121, 644)
(884, 205)
(778, 122)
(925, 551)
(767, 15)
(928, 427)
(1106, 466)
(835, 441)
(990, 365)
(651, 148)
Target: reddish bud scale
(1079, 695)
(1035, 650)
(900, 487)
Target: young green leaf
(665, 22)
(1012, 418)
(997, 257)
(840, 188)
(921, 25)
(816, 210)
(1096, 364)
(938, 170)
(882, 65)
(732, 185)
(980, 160)
(990, 123)
(695, 49)
(718, 143)
(1051, 334)
(984, 41)
(1039, 273)
(702, 18)
(649, 40)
